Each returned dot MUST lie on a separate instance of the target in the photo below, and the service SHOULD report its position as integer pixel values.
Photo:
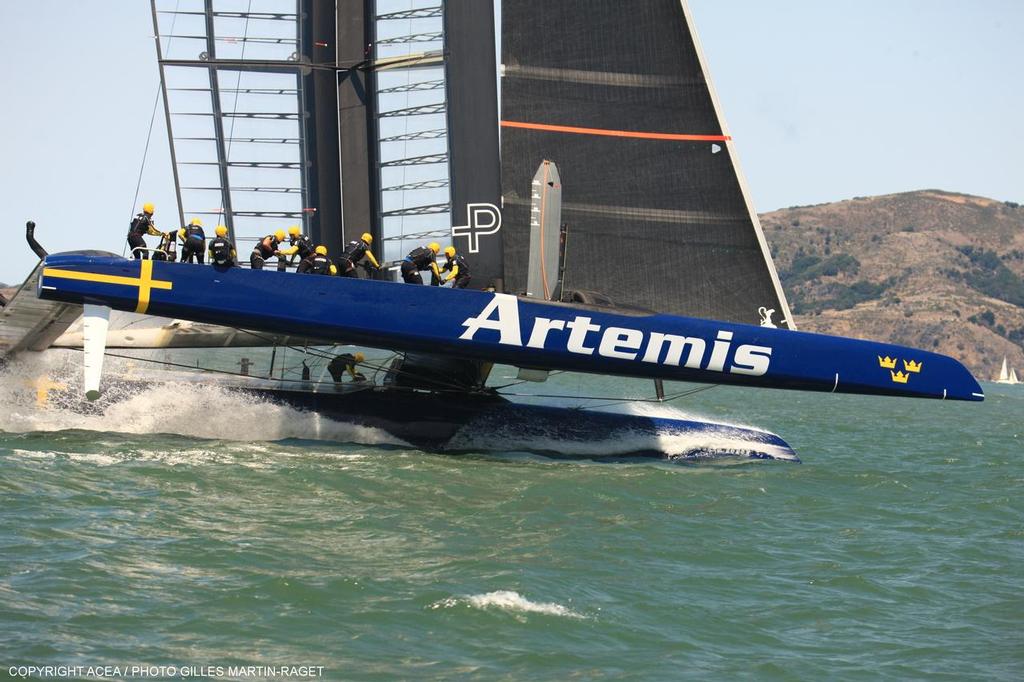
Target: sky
(825, 101)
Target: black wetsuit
(346, 362)
(194, 245)
(167, 249)
(418, 259)
(304, 249)
(315, 265)
(461, 269)
(222, 252)
(140, 226)
(354, 252)
(265, 248)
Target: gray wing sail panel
(30, 323)
(653, 200)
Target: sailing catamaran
(661, 270)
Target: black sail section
(356, 122)
(320, 127)
(473, 135)
(656, 212)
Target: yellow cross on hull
(144, 281)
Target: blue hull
(505, 329)
(486, 423)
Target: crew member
(167, 250)
(346, 362)
(222, 251)
(142, 224)
(318, 263)
(421, 258)
(300, 245)
(457, 268)
(193, 242)
(265, 248)
(354, 252)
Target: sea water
(192, 532)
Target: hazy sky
(825, 101)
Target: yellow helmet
(280, 235)
(181, 233)
(435, 247)
(196, 222)
(449, 251)
(148, 208)
(294, 230)
(367, 237)
(359, 357)
(322, 250)
(221, 231)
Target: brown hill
(931, 269)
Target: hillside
(931, 269)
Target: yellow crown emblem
(899, 377)
(912, 366)
(886, 362)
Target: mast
(355, 116)
(473, 137)
(245, 96)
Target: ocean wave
(507, 600)
(194, 410)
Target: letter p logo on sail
(481, 220)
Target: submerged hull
(488, 423)
(459, 423)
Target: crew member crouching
(266, 248)
(300, 245)
(168, 248)
(222, 251)
(346, 362)
(457, 268)
(318, 263)
(354, 252)
(421, 258)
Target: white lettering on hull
(501, 315)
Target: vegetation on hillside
(989, 275)
(931, 269)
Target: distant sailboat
(1007, 376)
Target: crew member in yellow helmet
(346, 362)
(193, 242)
(222, 251)
(266, 248)
(167, 249)
(141, 225)
(318, 263)
(422, 258)
(354, 252)
(299, 245)
(457, 268)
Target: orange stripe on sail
(615, 133)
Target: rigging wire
(149, 134)
(145, 151)
(444, 387)
(325, 356)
